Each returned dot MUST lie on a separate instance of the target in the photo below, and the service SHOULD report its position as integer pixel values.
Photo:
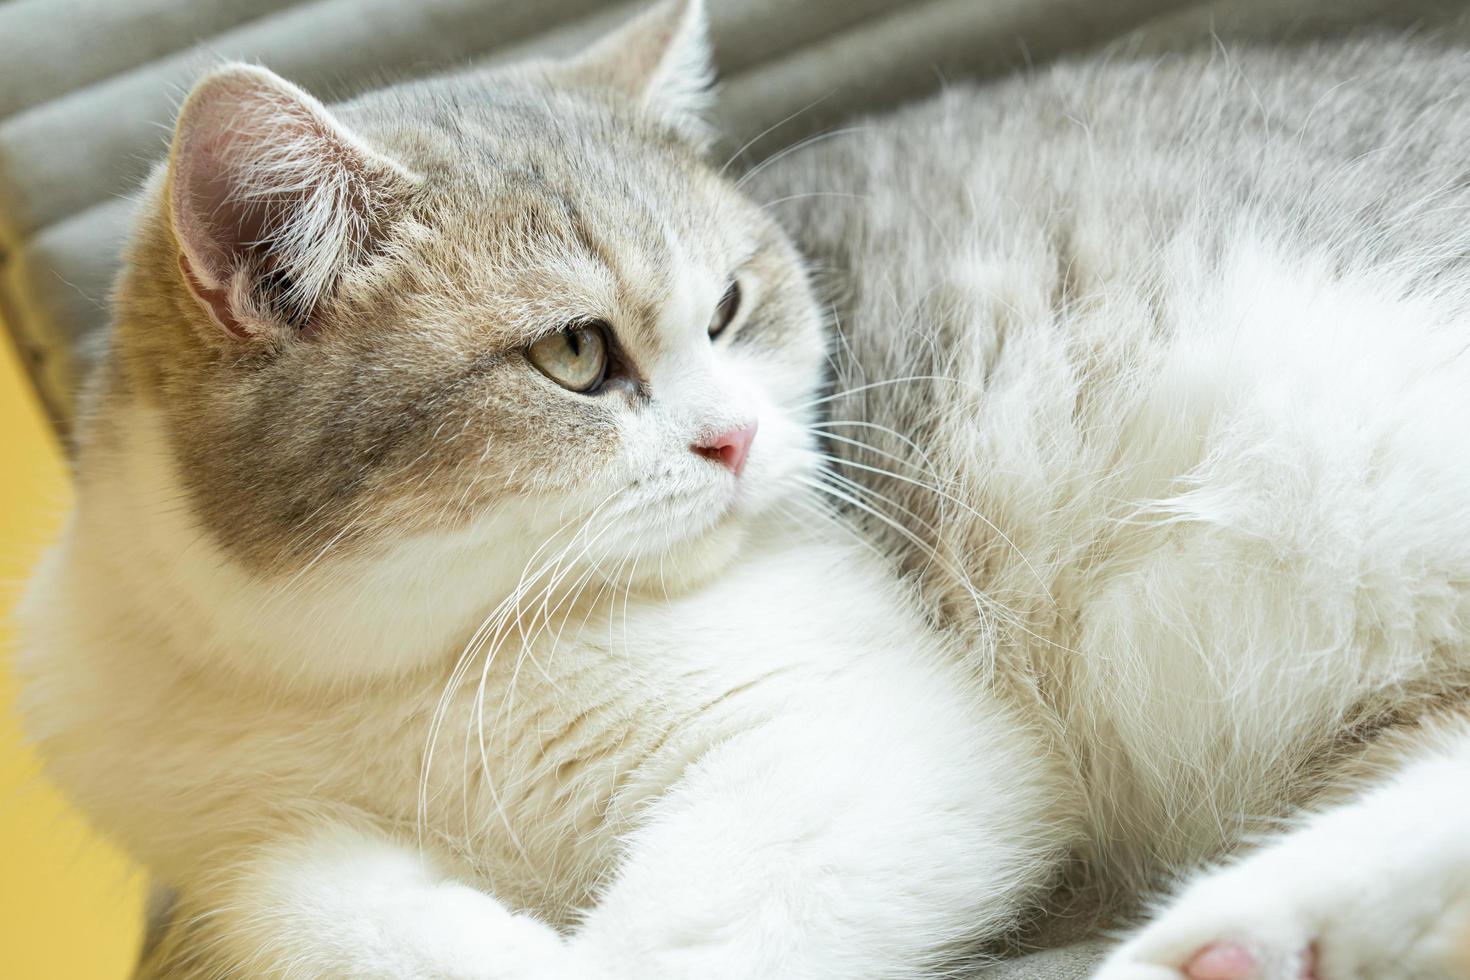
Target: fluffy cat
(439, 573)
(448, 593)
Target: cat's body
(365, 631)
(1185, 342)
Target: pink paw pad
(1221, 961)
(1231, 961)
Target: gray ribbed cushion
(1069, 963)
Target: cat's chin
(693, 563)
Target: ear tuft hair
(270, 198)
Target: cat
(443, 596)
(454, 591)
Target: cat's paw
(1220, 930)
(527, 947)
(1247, 923)
(1375, 890)
(459, 933)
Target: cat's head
(456, 327)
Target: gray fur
(1076, 188)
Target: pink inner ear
(213, 300)
(216, 232)
(265, 183)
(233, 130)
(216, 227)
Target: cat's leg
(339, 901)
(1377, 888)
(871, 838)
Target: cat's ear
(270, 199)
(662, 61)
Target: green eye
(575, 357)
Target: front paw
(1315, 906)
(1212, 937)
(527, 949)
(458, 933)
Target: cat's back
(1345, 146)
(1160, 364)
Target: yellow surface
(70, 906)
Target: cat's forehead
(539, 249)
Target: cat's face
(510, 309)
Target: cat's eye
(575, 357)
(725, 312)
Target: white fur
(711, 755)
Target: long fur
(1181, 345)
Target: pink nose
(730, 447)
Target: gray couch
(88, 87)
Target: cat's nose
(729, 447)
